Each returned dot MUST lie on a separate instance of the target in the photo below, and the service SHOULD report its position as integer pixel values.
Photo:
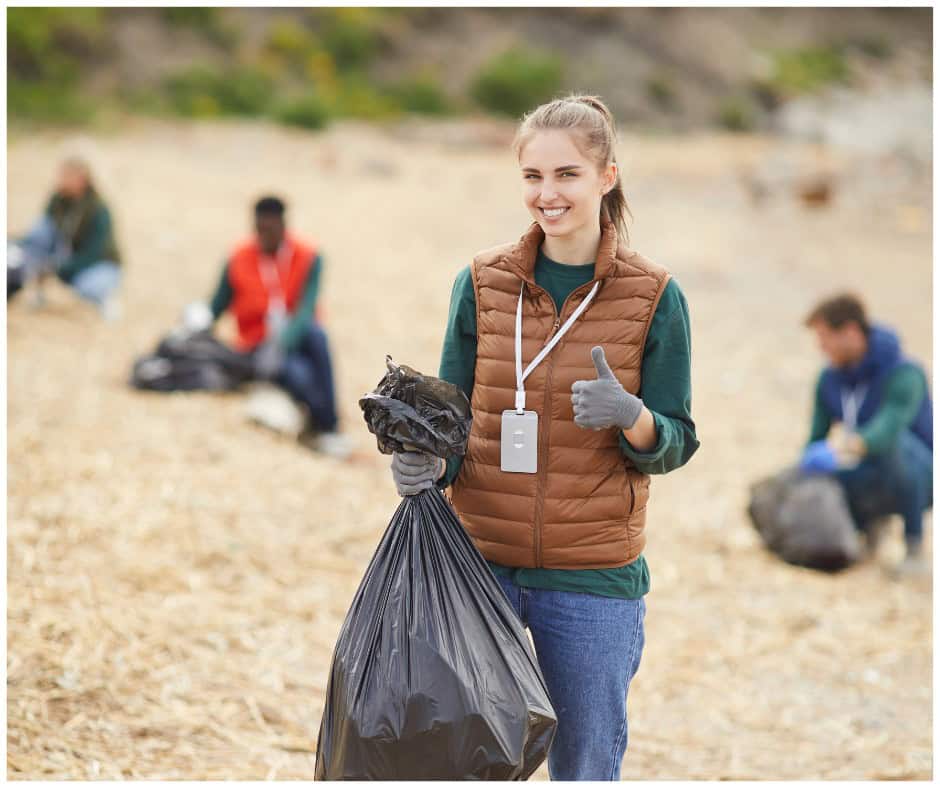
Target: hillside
(660, 68)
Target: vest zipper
(543, 432)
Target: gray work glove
(603, 402)
(268, 360)
(414, 471)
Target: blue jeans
(897, 482)
(44, 249)
(307, 375)
(588, 648)
(97, 282)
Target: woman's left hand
(603, 403)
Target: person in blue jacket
(872, 426)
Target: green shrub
(662, 91)
(736, 114)
(516, 81)
(357, 97)
(46, 49)
(422, 94)
(47, 43)
(190, 16)
(206, 21)
(805, 70)
(46, 103)
(292, 42)
(350, 35)
(309, 112)
(202, 91)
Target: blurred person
(872, 424)
(271, 284)
(74, 240)
(613, 404)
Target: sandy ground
(177, 577)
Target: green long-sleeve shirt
(905, 389)
(666, 390)
(85, 223)
(222, 299)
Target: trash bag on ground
(805, 519)
(433, 675)
(409, 411)
(191, 361)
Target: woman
(562, 525)
(74, 238)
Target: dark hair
(270, 206)
(597, 131)
(839, 310)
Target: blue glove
(819, 458)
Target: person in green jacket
(587, 624)
(73, 239)
(872, 424)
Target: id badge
(518, 445)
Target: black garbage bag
(14, 281)
(805, 519)
(191, 362)
(433, 676)
(409, 411)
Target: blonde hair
(597, 135)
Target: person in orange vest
(271, 283)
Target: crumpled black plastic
(409, 411)
(191, 361)
(433, 676)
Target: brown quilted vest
(585, 508)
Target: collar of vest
(521, 257)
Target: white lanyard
(852, 400)
(273, 270)
(520, 375)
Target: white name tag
(518, 450)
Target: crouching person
(872, 425)
(73, 240)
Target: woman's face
(73, 181)
(561, 187)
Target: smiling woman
(555, 497)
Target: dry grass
(177, 578)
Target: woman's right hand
(414, 471)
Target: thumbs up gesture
(603, 402)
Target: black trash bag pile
(15, 281)
(195, 361)
(409, 411)
(433, 676)
(805, 519)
